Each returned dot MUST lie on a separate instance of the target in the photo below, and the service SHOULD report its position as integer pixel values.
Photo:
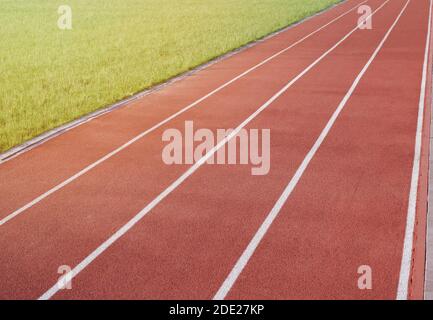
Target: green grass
(50, 76)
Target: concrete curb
(428, 282)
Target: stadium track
(346, 108)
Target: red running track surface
(348, 209)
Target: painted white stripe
(160, 124)
(406, 261)
(261, 232)
(92, 256)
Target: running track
(347, 185)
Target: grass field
(116, 48)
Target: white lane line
(406, 261)
(119, 233)
(141, 135)
(261, 232)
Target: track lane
(418, 272)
